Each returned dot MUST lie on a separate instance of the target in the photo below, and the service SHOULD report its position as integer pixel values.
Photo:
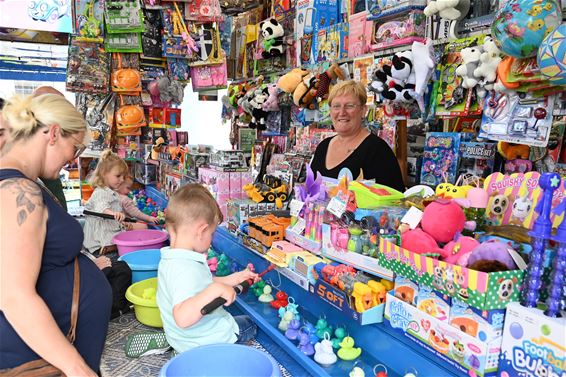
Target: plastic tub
(222, 360)
(134, 240)
(142, 295)
(143, 263)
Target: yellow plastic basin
(142, 295)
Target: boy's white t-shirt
(182, 274)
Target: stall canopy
(32, 62)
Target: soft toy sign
(514, 197)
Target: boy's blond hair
(192, 202)
(108, 160)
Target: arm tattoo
(28, 196)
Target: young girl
(106, 179)
(128, 206)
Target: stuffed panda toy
(272, 32)
(258, 98)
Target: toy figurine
(266, 296)
(291, 307)
(322, 327)
(324, 354)
(305, 345)
(223, 267)
(257, 288)
(292, 332)
(280, 300)
(357, 372)
(347, 351)
(311, 331)
(339, 333)
(285, 319)
(355, 241)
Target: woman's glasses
(347, 106)
(79, 147)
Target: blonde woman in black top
(366, 155)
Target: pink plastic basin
(134, 240)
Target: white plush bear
(471, 60)
(486, 71)
(448, 9)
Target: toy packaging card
(434, 303)
(123, 16)
(404, 30)
(310, 17)
(385, 8)
(440, 158)
(88, 68)
(517, 120)
(533, 344)
(203, 11)
(485, 325)
(360, 35)
(477, 158)
(89, 20)
(514, 197)
(450, 98)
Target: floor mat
(115, 363)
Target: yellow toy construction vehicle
(272, 190)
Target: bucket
(134, 240)
(143, 263)
(142, 295)
(222, 360)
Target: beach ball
(521, 25)
(551, 56)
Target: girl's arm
(23, 219)
(131, 210)
(101, 201)
(187, 313)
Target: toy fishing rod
(240, 288)
(111, 217)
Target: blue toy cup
(143, 263)
(222, 360)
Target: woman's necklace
(350, 149)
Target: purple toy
(556, 293)
(542, 228)
(305, 346)
(292, 332)
(492, 253)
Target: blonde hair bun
(18, 113)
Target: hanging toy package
(88, 16)
(123, 16)
(88, 68)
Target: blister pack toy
(123, 16)
(402, 31)
(209, 77)
(203, 11)
(123, 42)
(126, 78)
(98, 110)
(151, 38)
(477, 158)
(517, 118)
(440, 158)
(88, 68)
(179, 69)
(88, 16)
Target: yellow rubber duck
(347, 351)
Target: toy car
(48, 10)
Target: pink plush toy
(442, 219)
(453, 250)
(419, 242)
(490, 256)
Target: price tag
(295, 207)
(336, 207)
(412, 217)
(299, 227)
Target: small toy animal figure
(280, 300)
(498, 206)
(347, 351)
(305, 345)
(285, 320)
(292, 332)
(322, 328)
(520, 210)
(272, 32)
(324, 354)
(266, 296)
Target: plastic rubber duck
(324, 354)
(266, 296)
(280, 300)
(305, 346)
(311, 331)
(322, 328)
(291, 307)
(357, 372)
(339, 334)
(257, 288)
(347, 351)
(292, 332)
(284, 323)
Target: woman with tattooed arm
(39, 242)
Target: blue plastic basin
(143, 263)
(222, 360)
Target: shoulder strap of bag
(75, 303)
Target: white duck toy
(324, 353)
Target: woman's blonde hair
(27, 114)
(192, 202)
(348, 87)
(108, 160)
